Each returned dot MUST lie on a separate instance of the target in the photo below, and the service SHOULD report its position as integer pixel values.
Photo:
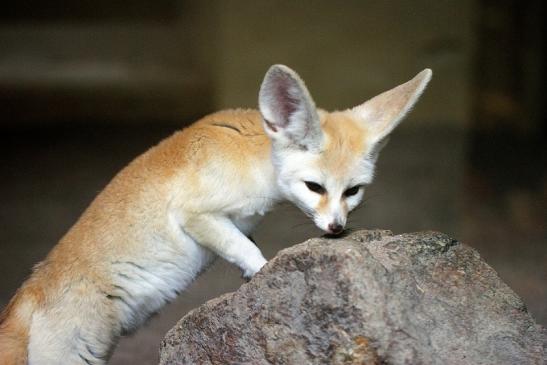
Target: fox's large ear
(384, 112)
(289, 113)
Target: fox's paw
(252, 268)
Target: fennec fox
(197, 194)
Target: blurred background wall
(86, 86)
(139, 60)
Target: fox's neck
(266, 177)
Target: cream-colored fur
(196, 195)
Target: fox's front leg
(219, 234)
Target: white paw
(253, 266)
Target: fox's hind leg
(79, 328)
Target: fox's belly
(145, 284)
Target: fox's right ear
(289, 113)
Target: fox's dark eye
(315, 187)
(352, 191)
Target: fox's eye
(352, 191)
(315, 187)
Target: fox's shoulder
(229, 135)
(246, 122)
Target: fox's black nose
(335, 228)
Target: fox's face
(328, 183)
(323, 161)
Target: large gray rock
(368, 298)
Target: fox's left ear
(384, 112)
(289, 113)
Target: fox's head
(323, 161)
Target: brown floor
(426, 180)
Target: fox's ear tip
(280, 68)
(425, 74)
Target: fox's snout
(335, 228)
(331, 223)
